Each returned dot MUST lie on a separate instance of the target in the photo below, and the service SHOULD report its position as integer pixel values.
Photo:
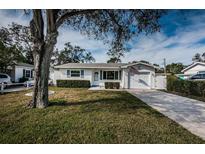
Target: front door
(96, 78)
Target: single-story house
(196, 67)
(133, 75)
(21, 70)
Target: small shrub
(112, 85)
(187, 87)
(73, 83)
(23, 79)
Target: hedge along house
(134, 75)
(22, 70)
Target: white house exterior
(22, 70)
(135, 75)
(197, 67)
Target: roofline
(131, 64)
(122, 66)
(195, 63)
(24, 64)
(85, 67)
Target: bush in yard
(112, 85)
(23, 79)
(187, 87)
(73, 83)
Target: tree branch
(66, 15)
(113, 18)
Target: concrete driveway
(187, 112)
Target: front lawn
(82, 116)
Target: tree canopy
(20, 37)
(175, 68)
(9, 56)
(198, 57)
(72, 54)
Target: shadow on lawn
(117, 104)
(62, 102)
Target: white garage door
(140, 80)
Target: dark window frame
(107, 75)
(28, 73)
(77, 73)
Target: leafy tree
(115, 27)
(203, 57)
(19, 36)
(157, 65)
(9, 55)
(175, 68)
(197, 58)
(144, 61)
(73, 54)
(114, 60)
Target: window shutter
(31, 73)
(68, 73)
(100, 74)
(82, 73)
(24, 73)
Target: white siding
(19, 72)
(62, 74)
(88, 75)
(125, 75)
(195, 69)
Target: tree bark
(41, 77)
(42, 51)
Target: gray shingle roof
(90, 65)
(24, 64)
(100, 65)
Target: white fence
(4, 90)
(160, 82)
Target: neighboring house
(134, 75)
(196, 67)
(21, 70)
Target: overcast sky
(182, 35)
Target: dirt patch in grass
(82, 116)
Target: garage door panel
(140, 80)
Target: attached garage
(140, 80)
(138, 76)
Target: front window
(110, 75)
(75, 73)
(28, 74)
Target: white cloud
(183, 46)
(17, 16)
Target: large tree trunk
(43, 48)
(40, 91)
(41, 77)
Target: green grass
(82, 116)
